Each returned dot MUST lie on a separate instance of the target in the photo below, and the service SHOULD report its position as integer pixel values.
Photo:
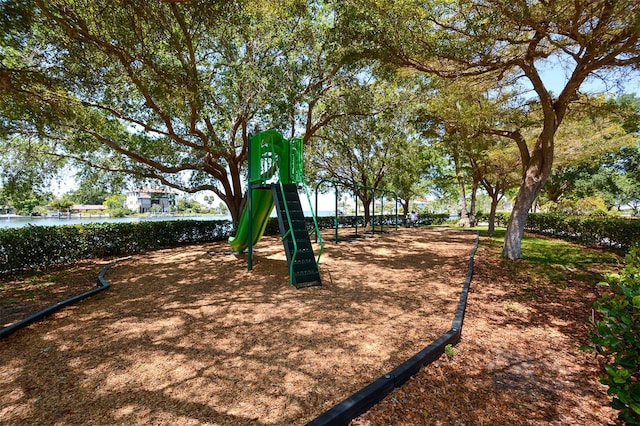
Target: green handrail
(316, 228)
(280, 174)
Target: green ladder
(295, 236)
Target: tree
(498, 173)
(354, 152)
(462, 115)
(509, 41)
(167, 91)
(597, 137)
(363, 150)
(30, 203)
(188, 205)
(616, 180)
(114, 202)
(406, 170)
(62, 204)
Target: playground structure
(353, 187)
(276, 172)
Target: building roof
(88, 207)
(149, 190)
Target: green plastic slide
(262, 207)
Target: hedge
(37, 247)
(501, 218)
(387, 220)
(617, 233)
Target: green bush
(501, 218)
(616, 336)
(119, 212)
(387, 220)
(618, 233)
(432, 218)
(37, 247)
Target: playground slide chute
(269, 141)
(261, 208)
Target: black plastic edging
(361, 401)
(458, 318)
(426, 356)
(103, 284)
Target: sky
(555, 76)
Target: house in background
(88, 209)
(143, 200)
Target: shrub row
(387, 220)
(617, 233)
(501, 218)
(36, 247)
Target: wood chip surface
(188, 336)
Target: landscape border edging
(361, 401)
(102, 284)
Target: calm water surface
(18, 222)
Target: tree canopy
(511, 42)
(167, 91)
(170, 92)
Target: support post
(335, 218)
(250, 212)
(355, 197)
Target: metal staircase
(303, 268)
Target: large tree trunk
(472, 210)
(536, 172)
(405, 210)
(405, 207)
(366, 207)
(464, 212)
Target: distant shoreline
(17, 221)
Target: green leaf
(621, 378)
(586, 348)
(611, 370)
(617, 404)
(634, 392)
(629, 361)
(623, 395)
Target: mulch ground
(189, 336)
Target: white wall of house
(141, 200)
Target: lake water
(20, 221)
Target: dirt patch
(27, 295)
(518, 362)
(189, 336)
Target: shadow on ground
(188, 337)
